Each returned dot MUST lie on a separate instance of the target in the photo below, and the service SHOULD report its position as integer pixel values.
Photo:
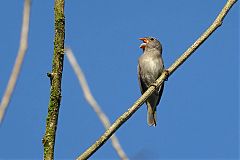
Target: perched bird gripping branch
(150, 67)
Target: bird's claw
(154, 84)
(167, 74)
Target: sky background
(198, 116)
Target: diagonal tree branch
(123, 118)
(93, 103)
(56, 79)
(19, 60)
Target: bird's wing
(143, 87)
(160, 93)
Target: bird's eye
(151, 39)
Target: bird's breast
(151, 68)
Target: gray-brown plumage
(150, 67)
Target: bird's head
(150, 43)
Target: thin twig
(56, 79)
(93, 103)
(91, 150)
(19, 60)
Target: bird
(150, 67)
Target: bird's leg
(167, 75)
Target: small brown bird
(150, 67)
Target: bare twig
(91, 150)
(56, 79)
(19, 60)
(93, 103)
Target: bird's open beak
(145, 41)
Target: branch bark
(56, 78)
(93, 103)
(19, 60)
(218, 21)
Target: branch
(93, 103)
(91, 150)
(56, 78)
(19, 60)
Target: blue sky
(199, 111)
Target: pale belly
(150, 71)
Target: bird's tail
(151, 115)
